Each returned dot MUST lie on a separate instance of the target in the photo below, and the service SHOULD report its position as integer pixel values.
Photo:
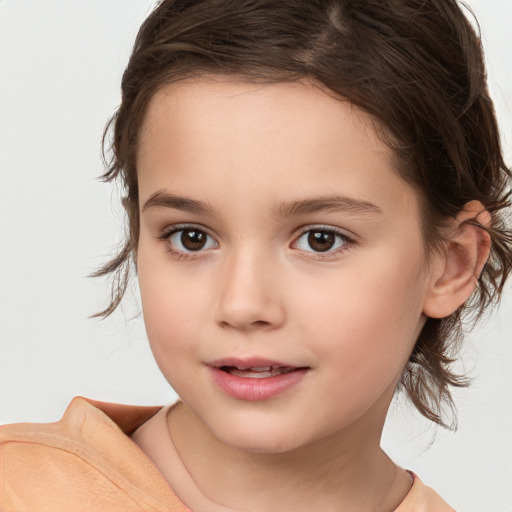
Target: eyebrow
(331, 203)
(162, 199)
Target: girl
(314, 192)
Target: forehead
(290, 111)
(246, 136)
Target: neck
(344, 471)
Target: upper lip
(250, 362)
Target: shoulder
(85, 461)
(422, 498)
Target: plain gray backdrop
(60, 68)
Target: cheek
(171, 326)
(366, 319)
(171, 305)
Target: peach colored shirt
(87, 462)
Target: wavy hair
(416, 66)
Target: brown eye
(321, 240)
(190, 240)
(193, 239)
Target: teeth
(258, 372)
(281, 370)
(250, 374)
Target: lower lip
(253, 389)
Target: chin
(259, 437)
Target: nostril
(257, 324)
(260, 323)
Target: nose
(251, 293)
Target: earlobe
(456, 270)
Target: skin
(351, 315)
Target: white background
(60, 68)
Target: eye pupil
(321, 241)
(193, 239)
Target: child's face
(275, 232)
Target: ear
(456, 269)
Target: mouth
(255, 379)
(258, 372)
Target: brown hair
(415, 65)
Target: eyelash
(166, 235)
(348, 242)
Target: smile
(257, 372)
(255, 380)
